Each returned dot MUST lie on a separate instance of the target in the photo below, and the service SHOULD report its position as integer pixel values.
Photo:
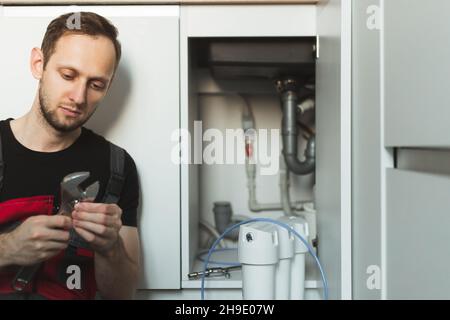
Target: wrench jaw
(71, 192)
(91, 192)
(88, 195)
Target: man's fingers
(50, 249)
(86, 235)
(98, 229)
(97, 223)
(45, 233)
(58, 235)
(93, 207)
(109, 209)
(55, 246)
(59, 222)
(98, 218)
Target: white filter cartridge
(297, 285)
(258, 253)
(298, 277)
(283, 271)
(283, 280)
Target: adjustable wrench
(71, 194)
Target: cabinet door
(417, 115)
(417, 67)
(333, 149)
(417, 235)
(140, 112)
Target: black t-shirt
(29, 173)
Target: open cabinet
(215, 96)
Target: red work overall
(51, 280)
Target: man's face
(75, 80)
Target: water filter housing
(258, 253)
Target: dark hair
(88, 23)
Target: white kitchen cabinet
(401, 149)
(415, 103)
(417, 235)
(416, 94)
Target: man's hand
(99, 224)
(116, 248)
(37, 239)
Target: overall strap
(117, 176)
(112, 191)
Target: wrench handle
(24, 276)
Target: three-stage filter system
(273, 260)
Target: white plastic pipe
(213, 232)
(306, 105)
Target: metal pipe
(284, 188)
(289, 100)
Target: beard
(51, 116)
